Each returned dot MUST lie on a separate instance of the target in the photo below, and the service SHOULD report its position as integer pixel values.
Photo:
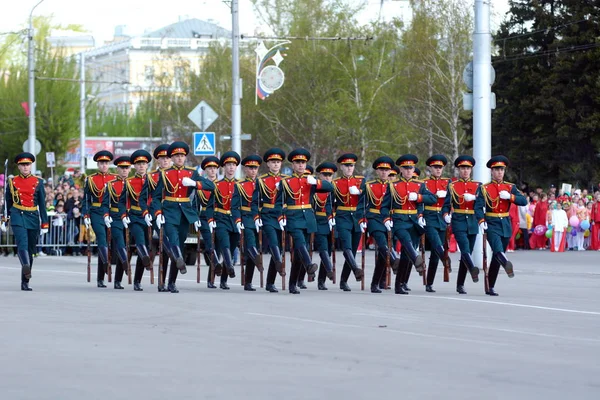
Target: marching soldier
(210, 166)
(25, 208)
(309, 170)
(94, 211)
(112, 217)
(435, 230)
(174, 209)
(245, 209)
(164, 162)
(268, 211)
(347, 192)
(498, 195)
(392, 176)
(298, 217)
(133, 217)
(323, 206)
(369, 206)
(463, 208)
(402, 208)
(228, 229)
(393, 173)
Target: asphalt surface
(540, 339)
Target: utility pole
(236, 107)
(31, 80)
(82, 100)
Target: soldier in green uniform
(94, 208)
(463, 208)
(244, 209)
(369, 206)
(112, 218)
(25, 208)
(498, 195)
(172, 205)
(268, 212)
(295, 195)
(133, 217)
(210, 166)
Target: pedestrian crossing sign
(204, 144)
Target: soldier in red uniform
(94, 208)
(498, 195)
(228, 228)
(25, 208)
(347, 192)
(435, 229)
(463, 208)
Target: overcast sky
(143, 15)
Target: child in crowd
(582, 214)
(560, 222)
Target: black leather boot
(100, 284)
(439, 250)
(416, 259)
(310, 267)
(460, 289)
(228, 261)
(162, 289)
(179, 260)
(144, 255)
(218, 265)
(223, 285)
(277, 260)
(473, 270)
(137, 286)
(117, 285)
(327, 263)
(301, 285)
(25, 264)
(172, 288)
(210, 284)
(271, 288)
(25, 287)
(321, 285)
(375, 289)
(248, 287)
(491, 292)
(405, 287)
(429, 288)
(358, 273)
(398, 288)
(506, 264)
(293, 289)
(256, 257)
(394, 259)
(122, 254)
(344, 286)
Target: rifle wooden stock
(159, 255)
(388, 275)
(424, 273)
(446, 256)
(333, 254)
(486, 282)
(213, 266)
(362, 258)
(129, 277)
(152, 259)
(109, 247)
(260, 249)
(241, 245)
(89, 254)
(198, 258)
(283, 258)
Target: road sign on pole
(204, 143)
(203, 115)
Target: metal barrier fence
(65, 236)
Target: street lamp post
(31, 98)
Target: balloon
(549, 233)
(539, 230)
(574, 221)
(585, 225)
(586, 233)
(573, 232)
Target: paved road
(540, 339)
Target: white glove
(107, 221)
(197, 225)
(353, 190)
(482, 227)
(277, 185)
(412, 196)
(188, 182)
(504, 195)
(422, 222)
(3, 226)
(389, 224)
(148, 219)
(126, 221)
(160, 221)
(331, 222)
(258, 223)
(441, 194)
(43, 231)
(239, 226)
(282, 223)
(212, 225)
(87, 222)
(363, 227)
(448, 218)
(469, 197)
(311, 180)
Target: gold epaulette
(418, 181)
(359, 176)
(284, 176)
(190, 168)
(336, 179)
(264, 175)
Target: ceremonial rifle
(152, 260)
(243, 277)
(486, 282)
(424, 272)
(333, 254)
(159, 255)
(128, 255)
(261, 257)
(447, 268)
(364, 246)
(89, 250)
(198, 252)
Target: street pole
(236, 108)
(482, 111)
(31, 80)
(82, 100)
